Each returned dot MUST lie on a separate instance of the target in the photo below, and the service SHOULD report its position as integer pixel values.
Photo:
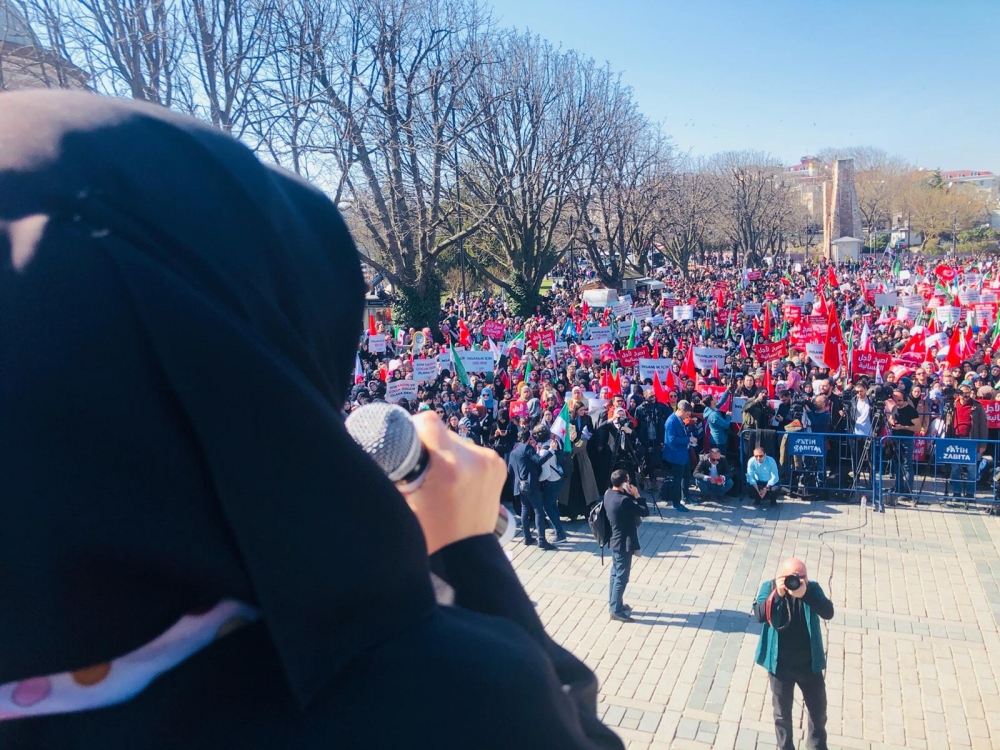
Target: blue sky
(919, 78)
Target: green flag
(541, 348)
(895, 268)
(517, 342)
(527, 371)
(631, 336)
(460, 372)
(560, 427)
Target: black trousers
(813, 687)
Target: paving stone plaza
(913, 647)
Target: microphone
(386, 433)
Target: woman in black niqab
(178, 325)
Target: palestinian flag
(631, 335)
(517, 342)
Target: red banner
(548, 339)
(865, 363)
(753, 275)
(606, 352)
(584, 353)
(817, 319)
(992, 414)
(791, 313)
(670, 303)
(770, 352)
(518, 409)
(494, 330)
(630, 357)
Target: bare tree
(631, 172)
(539, 110)
(128, 48)
(230, 41)
(390, 74)
(689, 209)
(756, 203)
(939, 208)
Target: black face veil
(178, 326)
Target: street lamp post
(458, 203)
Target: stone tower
(25, 63)
(841, 214)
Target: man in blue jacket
(677, 453)
(791, 649)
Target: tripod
(626, 457)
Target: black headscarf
(178, 326)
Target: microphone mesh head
(385, 432)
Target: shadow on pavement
(719, 620)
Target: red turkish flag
(766, 333)
(769, 382)
(834, 340)
(945, 273)
(831, 278)
(659, 391)
(688, 370)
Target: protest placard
(650, 367)
(621, 308)
(948, 314)
(737, 413)
(599, 335)
(669, 302)
(889, 299)
(642, 313)
(868, 363)
(814, 350)
(518, 409)
(595, 406)
(983, 313)
(548, 339)
(477, 361)
(630, 357)
(626, 298)
(752, 308)
(705, 358)
(376, 343)
(791, 313)
(767, 352)
(397, 390)
(683, 312)
(494, 330)
(425, 370)
(992, 414)
(988, 297)
(969, 297)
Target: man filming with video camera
(791, 649)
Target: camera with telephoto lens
(792, 582)
(880, 392)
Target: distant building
(806, 179)
(25, 63)
(982, 180)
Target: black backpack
(600, 526)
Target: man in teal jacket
(791, 649)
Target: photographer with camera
(904, 421)
(791, 649)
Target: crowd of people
(661, 382)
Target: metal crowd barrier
(935, 470)
(846, 468)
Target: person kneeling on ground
(713, 476)
(762, 477)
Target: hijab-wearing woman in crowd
(579, 492)
(194, 553)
